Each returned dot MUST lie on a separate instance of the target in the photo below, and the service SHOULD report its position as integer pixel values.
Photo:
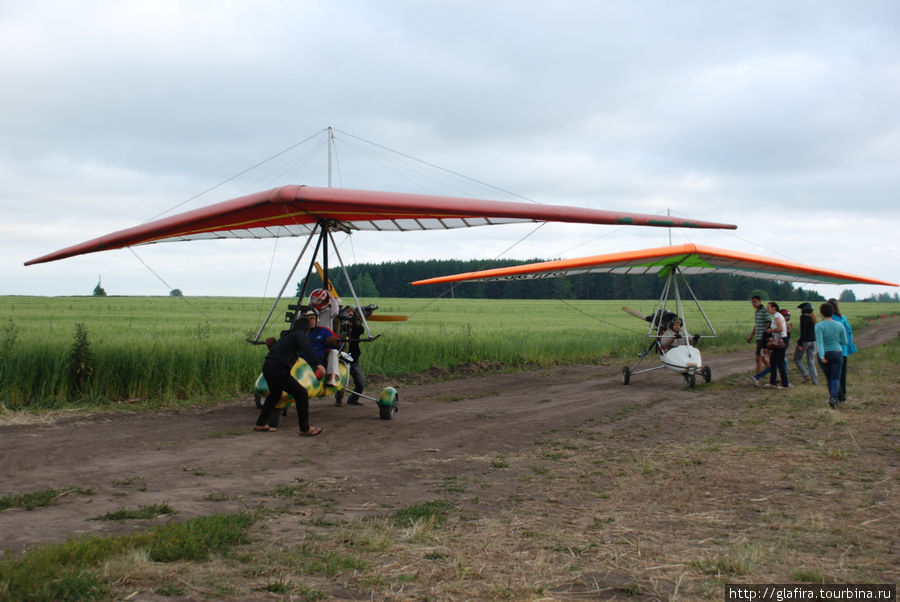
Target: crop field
(60, 350)
(552, 481)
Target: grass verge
(37, 499)
(73, 570)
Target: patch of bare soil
(565, 484)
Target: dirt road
(208, 460)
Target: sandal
(264, 428)
(312, 432)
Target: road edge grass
(38, 499)
(73, 570)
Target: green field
(173, 349)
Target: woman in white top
(777, 356)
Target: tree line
(392, 279)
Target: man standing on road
(760, 324)
(352, 326)
(282, 354)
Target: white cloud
(780, 117)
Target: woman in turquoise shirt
(848, 349)
(830, 338)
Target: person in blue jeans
(778, 357)
(777, 361)
(847, 350)
(830, 338)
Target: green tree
(365, 286)
(847, 295)
(562, 288)
(176, 292)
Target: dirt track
(188, 459)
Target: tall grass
(62, 350)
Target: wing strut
(359, 310)
(323, 227)
(255, 340)
(671, 288)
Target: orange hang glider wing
(295, 211)
(688, 259)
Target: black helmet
(806, 307)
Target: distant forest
(392, 280)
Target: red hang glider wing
(295, 210)
(689, 259)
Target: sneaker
(768, 386)
(354, 402)
(832, 403)
(781, 387)
(755, 381)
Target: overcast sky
(780, 117)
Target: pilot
(673, 337)
(324, 342)
(352, 327)
(327, 306)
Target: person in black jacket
(806, 344)
(351, 323)
(282, 355)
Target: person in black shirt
(282, 355)
(352, 323)
(806, 344)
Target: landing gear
(707, 374)
(626, 375)
(387, 403)
(690, 380)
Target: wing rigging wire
(284, 174)
(204, 312)
(749, 242)
(237, 175)
(262, 305)
(394, 166)
(509, 248)
(438, 167)
(383, 160)
(278, 174)
(593, 317)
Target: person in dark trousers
(847, 349)
(830, 340)
(351, 320)
(760, 324)
(778, 364)
(806, 344)
(282, 355)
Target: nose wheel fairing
(684, 359)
